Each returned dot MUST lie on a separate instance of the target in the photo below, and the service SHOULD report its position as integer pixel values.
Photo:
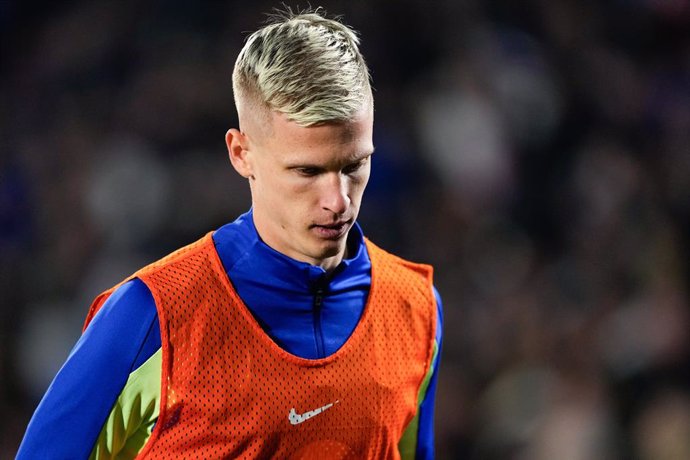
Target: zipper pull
(318, 296)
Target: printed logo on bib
(296, 419)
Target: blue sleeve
(425, 434)
(71, 414)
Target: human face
(306, 183)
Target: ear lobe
(238, 151)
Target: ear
(238, 151)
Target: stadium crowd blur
(536, 152)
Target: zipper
(318, 302)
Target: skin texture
(306, 182)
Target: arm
(418, 439)
(75, 407)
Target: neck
(331, 263)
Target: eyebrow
(362, 156)
(369, 153)
(353, 160)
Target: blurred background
(536, 152)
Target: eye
(308, 171)
(354, 167)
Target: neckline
(268, 342)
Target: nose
(334, 195)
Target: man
(284, 334)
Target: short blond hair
(305, 66)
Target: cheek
(293, 198)
(280, 187)
(357, 186)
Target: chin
(329, 249)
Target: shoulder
(128, 312)
(411, 282)
(200, 249)
(383, 256)
(394, 268)
(132, 293)
(143, 287)
(124, 305)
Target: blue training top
(125, 333)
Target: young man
(284, 334)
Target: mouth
(332, 231)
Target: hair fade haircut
(305, 66)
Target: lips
(332, 231)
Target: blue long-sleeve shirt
(278, 290)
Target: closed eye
(354, 167)
(308, 171)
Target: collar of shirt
(280, 292)
(244, 255)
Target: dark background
(536, 152)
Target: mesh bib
(229, 391)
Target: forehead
(341, 141)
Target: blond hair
(305, 66)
